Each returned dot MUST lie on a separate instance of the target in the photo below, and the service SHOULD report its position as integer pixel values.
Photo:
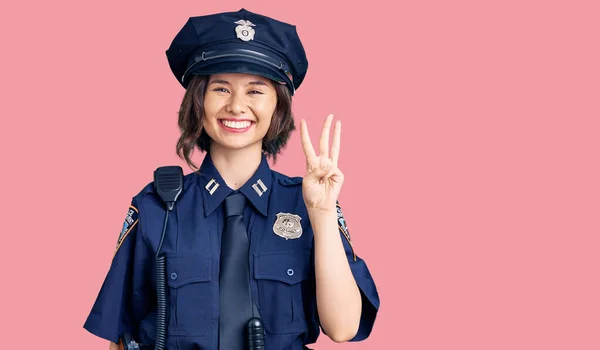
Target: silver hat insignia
(244, 30)
(288, 226)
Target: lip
(232, 130)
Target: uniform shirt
(282, 270)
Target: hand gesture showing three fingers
(323, 180)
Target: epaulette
(290, 181)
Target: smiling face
(238, 109)
(266, 105)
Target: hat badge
(244, 30)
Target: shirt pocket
(192, 294)
(279, 276)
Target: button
(174, 276)
(290, 272)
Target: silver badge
(288, 226)
(244, 30)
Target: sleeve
(123, 301)
(364, 280)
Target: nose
(237, 104)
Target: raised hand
(323, 180)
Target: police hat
(238, 42)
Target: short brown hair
(193, 134)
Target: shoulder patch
(131, 219)
(343, 226)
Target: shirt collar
(258, 188)
(215, 190)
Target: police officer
(242, 241)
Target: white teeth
(236, 125)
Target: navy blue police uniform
(282, 272)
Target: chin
(240, 145)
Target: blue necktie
(234, 278)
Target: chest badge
(288, 226)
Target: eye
(221, 89)
(255, 92)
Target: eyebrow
(225, 82)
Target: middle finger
(324, 144)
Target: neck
(236, 167)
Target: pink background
(475, 203)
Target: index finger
(309, 151)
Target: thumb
(320, 172)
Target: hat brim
(239, 65)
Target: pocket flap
(285, 266)
(190, 268)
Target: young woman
(244, 246)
